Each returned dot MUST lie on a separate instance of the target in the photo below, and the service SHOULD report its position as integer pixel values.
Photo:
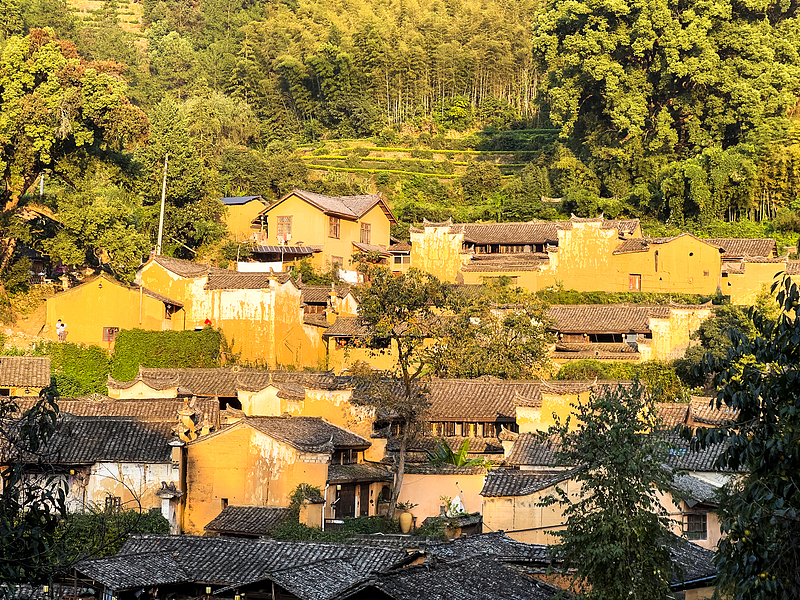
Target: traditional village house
(261, 460)
(624, 332)
(120, 454)
(239, 214)
(252, 392)
(593, 255)
(158, 566)
(260, 314)
(24, 375)
(97, 309)
(512, 496)
(251, 521)
(401, 256)
(341, 225)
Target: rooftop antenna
(163, 198)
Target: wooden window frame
(284, 226)
(697, 526)
(366, 233)
(110, 334)
(634, 282)
(334, 227)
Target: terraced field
(130, 13)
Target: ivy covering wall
(164, 349)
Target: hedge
(661, 379)
(164, 349)
(76, 370)
(649, 298)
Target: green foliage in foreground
(164, 349)
(102, 533)
(757, 557)
(660, 377)
(616, 525)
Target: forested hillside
(679, 113)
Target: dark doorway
(346, 506)
(363, 502)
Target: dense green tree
(10, 18)
(759, 379)
(678, 77)
(57, 108)
(400, 313)
(616, 527)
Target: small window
(337, 260)
(334, 227)
(366, 233)
(223, 502)
(706, 273)
(113, 503)
(110, 333)
(284, 228)
(169, 310)
(635, 283)
(697, 527)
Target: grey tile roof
(348, 327)
(527, 261)
(484, 399)
(233, 280)
(226, 381)
(693, 490)
(512, 482)
(477, 445)
(229, 561)
(473, 578)
(308, 434)
(444, 469)
(704, 411)
(736, 248)
(581, 386)
(793, 267)
(370, 248)
(320, 580)
(320, 294)
(86, 440)
(185, 268)
(133, 571)
(530, 451)
(353, 207)
(535, 232)
(604, 318)
(496, 544)
(701, 459)
(358, 472)
(147, 410)
(690, 562)
(248, 520)
(24, 371)
(673, 414)
(317, 320)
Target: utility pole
(41, 186)
(163, 199)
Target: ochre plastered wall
(246, 467)
(239, 218)
(530, 280)
(522, 519)
(142, 390)
(311, 227)
(671, 336)
(103, 302)
(342, 358)
(541, 419)
(155, 277)
(685, 265)
(438, 252)
(135, 484)
(426, 490)
(744, 288)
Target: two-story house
(336, 226)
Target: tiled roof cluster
(316, 319)
(248, 520)
(705, 412)
(600, 351)
(530, 451)
(135, 570)
(604, 318)
(24, 371)
(348, 327)
(477, 445)
(321, 580)
(474, 577)
(484, 399)
(512, 482)
(145, 410)
(495, 544)
(234, 280)
(231, 561)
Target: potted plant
(406, 518)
